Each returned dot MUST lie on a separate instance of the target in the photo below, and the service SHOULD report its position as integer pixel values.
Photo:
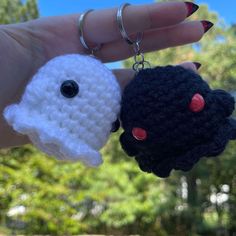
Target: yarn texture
(177, 117)
(68, 108)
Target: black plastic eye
(69, 88)
(115, 126)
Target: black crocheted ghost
(171, 118)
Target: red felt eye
(139, 134)
(197, 104)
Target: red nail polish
(206, 25)
(197, 64)
(191, 8)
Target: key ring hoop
(119, 18)
(81, 33)
(139, 61)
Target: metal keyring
(139, 61)
(119, 18)
(81, 33)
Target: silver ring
(81, 33)
(119, 18)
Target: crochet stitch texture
(157, 101)
(69, 128)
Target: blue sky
(226, 9)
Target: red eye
(139, 134)
(197, 104)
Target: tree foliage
(13, 11)
(39, 195)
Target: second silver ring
(119, 19)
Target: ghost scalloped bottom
(68, 108)
(171, 118)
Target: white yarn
(68, 128)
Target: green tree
(13, 11)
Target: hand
(27, 46)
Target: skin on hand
(27, 46)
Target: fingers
(194, 66)
(184, 33)
(59, 35)
(137, 18)
(124, 76)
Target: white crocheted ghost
(68, 108)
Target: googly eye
(139, 134)
(197, 104)
(69, 88)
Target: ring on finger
(81, 33)
(121, 26)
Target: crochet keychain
(69, 107)
(171, 117)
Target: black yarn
(157, 100)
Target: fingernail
(206, 25)
(191, 8)
(197, 64)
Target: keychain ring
(139, 61)
(81, 33)
(119, 18)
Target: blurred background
(39, 195)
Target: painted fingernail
(191, 8)
(197, 64)
(206, 25)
